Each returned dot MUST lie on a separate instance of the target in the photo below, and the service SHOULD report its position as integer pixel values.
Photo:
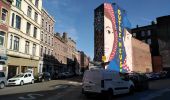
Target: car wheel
(2, 85)
(21, 83)
(32, 82)
(109, 94)
(131, 90)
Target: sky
(76, 17)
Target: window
(25, 76)
(52, 30)
(36, 3)
(149, 32)
(51, 52)
(27, 47)
(45, 50)
(134, 34)
(34, 49)
(11, 39)
(13, 16)
(18, 22)
(2, 74)
(49, 28)
(28, 28)
(42, 22)
(36, 16)
(18, 4)
(48, 51)
(4, 15)
(29, 10)
(49, 40)
(52, 41)
(16, 43)
(42, 36)
(46, 25)
(35, 32)
(45, 38)
(2, 38)
(29, 75)
(143, 33)
(149, 41)
(41, 51)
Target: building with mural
(5, 6)
(113, 40)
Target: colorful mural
(116, 43)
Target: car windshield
(20, 75)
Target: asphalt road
(70, 89)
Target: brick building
(157, 35)
(141, 56)
(47, 42)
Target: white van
(106, 81)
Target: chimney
(153, 23)
(65, 36)
(137, 26)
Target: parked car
(3, 80)
(21, 79)
(109, 83)
(45, 76)
(140, 81)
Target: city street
(70, 89)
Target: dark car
(3, 80)
(45, 76)
(140, 81)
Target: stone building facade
(23, 42)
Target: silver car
(3, 80)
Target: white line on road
(75, 83)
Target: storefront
(21, 65)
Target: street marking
(155, 94)
(61, 86)
(30, 97)
(75, 83)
